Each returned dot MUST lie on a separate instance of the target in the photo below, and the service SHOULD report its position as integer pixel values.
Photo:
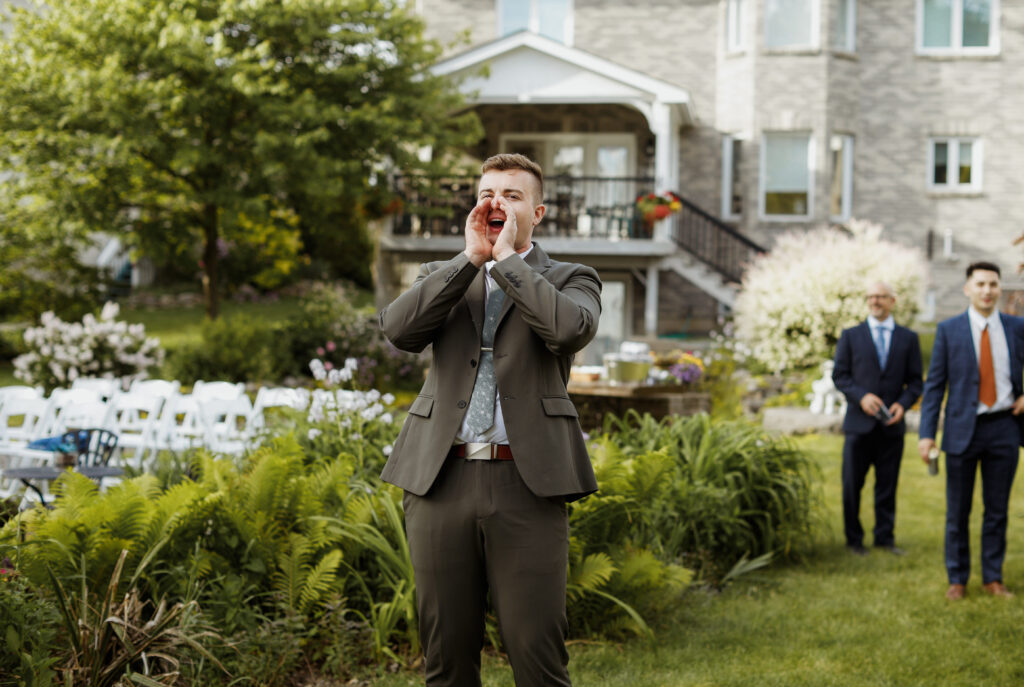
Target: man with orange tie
(980, 356)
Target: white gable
(526, 67)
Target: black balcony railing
(713, 242)
(577, 207)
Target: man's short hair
(506, 161)
(983, 265)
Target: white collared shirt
(887, 325)
(1000, 356)
(496, 433)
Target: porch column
(651, 302)
(665, 125)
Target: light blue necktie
(880, 346)
(481, 403)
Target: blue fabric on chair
(65, 443)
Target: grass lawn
(835, 618)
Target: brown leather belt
(497, 452)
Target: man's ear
(538, 213)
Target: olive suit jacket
(550, 312)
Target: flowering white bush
(61, 352)
(796, 300)
(357, 415)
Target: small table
(49, 474)
(595, 399)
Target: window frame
(849, 41)
(763, 176)
(815, 37)
(956, 47)
(736, 26)
(953, 164)
(846, 190)
(533, 24)
(728, 171)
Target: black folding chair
(91, 447)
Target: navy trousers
(861, 452)
(994, 447)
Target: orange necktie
(987, 385)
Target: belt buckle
(479, 451)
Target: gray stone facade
(887, 96)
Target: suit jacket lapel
(869, 342)
(474, 300)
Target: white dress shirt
(886, 325)
(1000, 357)
(495, 434)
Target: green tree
(209, 129)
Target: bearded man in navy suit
(878, 369)
(980, 356)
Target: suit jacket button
(472, 363)
(462, 404)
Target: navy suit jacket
(955, 361)
(857, 372)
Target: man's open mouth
(496, 222)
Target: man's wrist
(477, 260)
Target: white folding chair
(21, 423)
(18, 392)
(209, 391)
(135, 418)
(105, 387)
(181, 426)
(156, 387)
(228, 423)
(277, 397)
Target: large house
(765, 116)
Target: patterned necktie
(481, 403)
(986, 371)
(880, 346)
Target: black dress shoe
(857, 549)
(894, 550)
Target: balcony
(582, 208)
(593, 219)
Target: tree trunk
(211, 258)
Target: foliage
(325, 325)
(796, 300)
(724, 379)
(655, 206)
(224, 135)
(328, 327)
(238, 348)
(122, 639)
(682, 367)
(29, 631)
(59, 352)
(258, 544)
(705, 493)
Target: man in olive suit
(492, 448)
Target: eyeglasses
(878, 296)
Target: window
(735, 26)
(840, 194)
(791, 23)
(954, 164)
(845, 38)
(958, 26)
(786, 175)
(732, 186)
(550, 18)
